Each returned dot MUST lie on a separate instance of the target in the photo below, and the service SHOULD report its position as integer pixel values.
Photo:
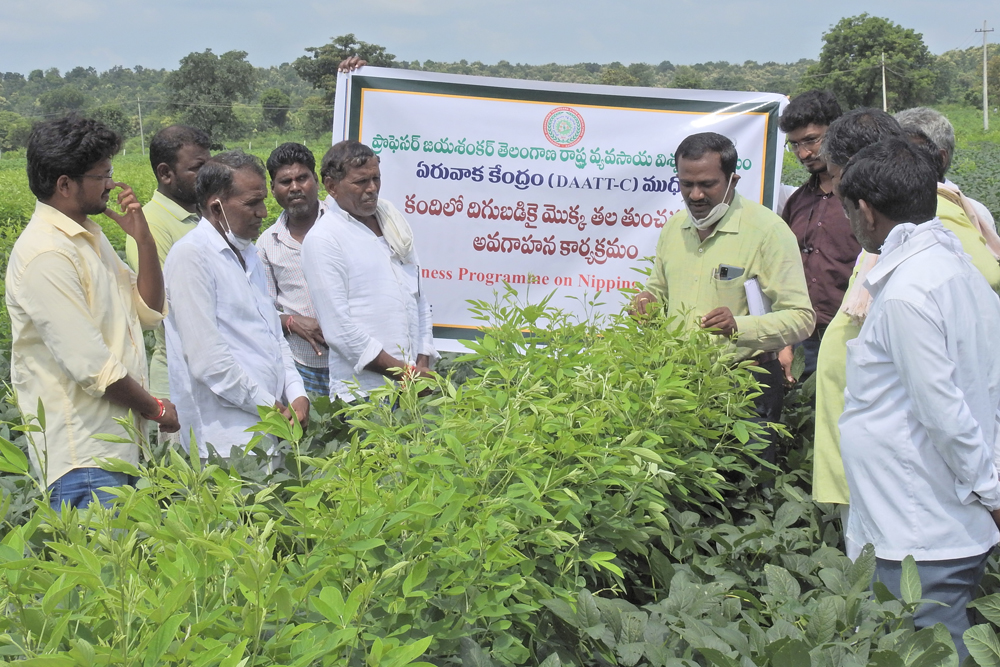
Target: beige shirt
(76, 318)
(168, 222)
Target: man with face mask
(707, 252)
(176, 153)
(226, 352)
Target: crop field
(571, 493)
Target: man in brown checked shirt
(816, 217)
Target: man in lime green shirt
(706, 253)
(176, 154)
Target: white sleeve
(927, 375)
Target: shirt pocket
(731, 293)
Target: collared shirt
(366, 300)
(686, 275)
(168, 223)
(225, 350)
(827, 244)
(281, 256)
(922, 403)
(829, 482)
(76, 323)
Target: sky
(39, 34)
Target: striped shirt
(281, 256)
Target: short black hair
(290, 153)
(896, 178)
(216, 176)
(344, 156)
(815, 107)
(169, 141)
(919, 138)
(696, 145)
(67, 146)
(856, 129)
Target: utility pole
(885, 105)
(986, 108)
(142, 139)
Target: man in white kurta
(225, 349)
(364, 279)
(923, 390)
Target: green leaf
(717, 658)
(885, 659)
(983, 645)
(587, 613)
(909, 582)
(937, 655)
(989, 607)
(473, 655)
(160, 642)
(416, 577)
(823, 624)
(794, 653)
(12, 459)
(780, 583)
(551, 661)
(862, 570)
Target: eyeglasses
(808, 144)
(110, 176)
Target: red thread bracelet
(163, 410)
(288, 323)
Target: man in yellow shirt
(76, 313)
(707, 252)
(845, 137)
(176, 154)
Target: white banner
(546, 186)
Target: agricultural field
(571, 494)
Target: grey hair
(216, 176)
(934, 125)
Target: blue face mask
(237, 242)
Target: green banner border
(359, 83)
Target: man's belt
(766, 357)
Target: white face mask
(237, 242)
(716, 214)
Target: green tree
(14, 131)
(315, 118)
(62, 99)
(274, 105)
(850, 63)
(687, 77)
(116, 118)
(615, 74)
(205, 87)
(320, 67)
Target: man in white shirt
(364, 279)
(923, 389)
(225, 350)
(294, 185)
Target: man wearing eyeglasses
(77, 314)
(817, 219)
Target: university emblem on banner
(564, 127)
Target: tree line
(231, 99)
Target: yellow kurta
(76, 321)
(829, 479)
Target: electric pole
(142, 140)
(986, 107)
(885, 105)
